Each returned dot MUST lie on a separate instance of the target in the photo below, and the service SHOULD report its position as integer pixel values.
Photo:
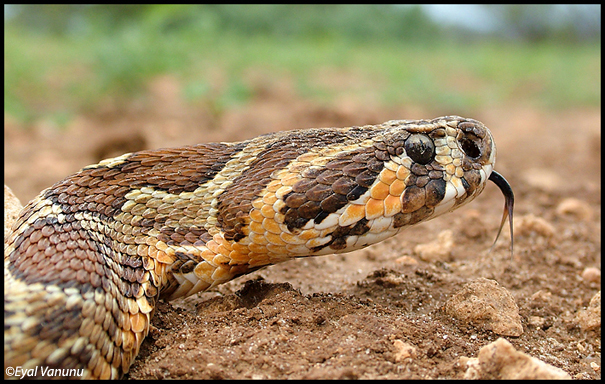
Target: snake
(87, 260)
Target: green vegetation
(61, 60)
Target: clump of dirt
(377, 312)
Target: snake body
(88, 258)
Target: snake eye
(471, 145)
(420, 148)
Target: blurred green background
(62, 60)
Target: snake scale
(88, 259)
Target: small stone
(591, 274)
(406, 260)
(544, 179)
(403, 351)
(500, 361)
(536, 321)
(575, 207)
(528, 224)
(590, 318)
(484, 303)
(473, 368)
(438, 250)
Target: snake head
(445, 163)
(364, 184)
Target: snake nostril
(471, 145)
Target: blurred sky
(479, 18)
(472, 16)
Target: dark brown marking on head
(316, 184)
(293, 200)
(331, 187)
(402, 219)
(319, 192)
(419, 169)
(422, 181)
(434, 174)
(309, 210)
(356, 193)
(471, 181)
(435, 192)
(412, 199)
(343, 185)
(394, 144)
(333, 203)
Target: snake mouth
(509, 202)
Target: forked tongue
(509, 202)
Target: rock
(528, 224)
(590, 318)
(403, 351)
(536, 321)
(473, 368)
(406, 260)
(438, 250)
(575, 207)
(544, 179)
(472, 225)
(591, 274)
(500, 361)
(484, 303)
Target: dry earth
(354, 315)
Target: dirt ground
(346, 316)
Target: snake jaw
(509, 203)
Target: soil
(347, 316)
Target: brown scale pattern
(68, 255)
(55, 254)
(68, 258)
(236, 202)
(325, 190)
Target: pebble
(500, 361)
(575, 207)
(536, 321)
(544, 179)
(590, 318)
(528, 224)
(592, 274)
(403, 351)
(484, 303)
(438, 250)
(406, 260)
